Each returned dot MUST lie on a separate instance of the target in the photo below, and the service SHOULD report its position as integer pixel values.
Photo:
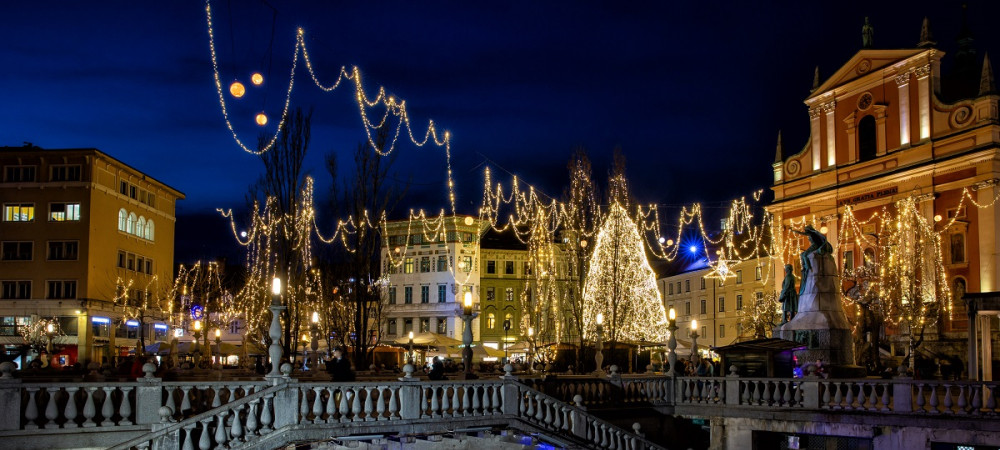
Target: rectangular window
(65, 172)
(739, 276)
(408, 265)
(392, 295)
(64, 212)
(703, 284)
(849, 260)
(509, 293)
(392, 327)
(425, 264)
(408, 295)
(687, 308)
(442, 263)
(757, 273)
(132, 192)
(19, 174)
(62, 289)
(722, 304)
(722, 331)
(687, 285)
(704, 331)
(739, 302)
(425, 294)
(467, 262)
(149, 266)
(442, 326)
(442, 293)
(19, 212)
(407, 326)
(491, 294)
(121, 259)
(527, 269)
(63, 250)
(508, 268)
(16, 290)
(704, 306)
(17, 251)
(491, 267)
(670, 289)
(123, 188)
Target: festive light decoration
(261, 119)
(621, 285)
(257, 79)
(237, 89)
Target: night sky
(693, 92)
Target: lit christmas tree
(621, 285)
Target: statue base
(820, 324)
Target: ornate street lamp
(467, 316)
(599, 346)
(694, 340)
(195, 348)
(506, 328)
(274, 351)
(672, 342)
(314, 328)
(218, 345)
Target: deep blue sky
(693, 92)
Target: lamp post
(274, 350)
(314, 329)
(218, 345)
(50, 330)
(531, 349)
(467, 316)
(599, 346)
(409, 355)
(672, 342)
(506, 328)
(694, 340)
(195, 346)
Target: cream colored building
(76, 224)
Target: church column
(986, 347)
(903, 84)
(989, 246)
(850, 129)
(973, 343)
(924, 100)
(814, 130)
(831, 134)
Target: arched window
(122, 219)
(130, 226)
(149, 230)
(491, 321)
(958, 289)
(509, 318)
(140, 227)
(867, 139)
(869, 255)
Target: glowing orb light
(237, 89)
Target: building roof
(501, 240)
(38, 151)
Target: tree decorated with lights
(621, 285)
(759, 316)
(580, 212)
(142, 300)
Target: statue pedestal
(820, 323)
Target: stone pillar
(987, 347)
(409, 402)
(831, 134)
(148, 399)
(902, 395)
(973, 342)
(10, 397)
(989, 245)
(286, 405)
(814, 130)
(903, 85)
(924, 100)
(84, 341)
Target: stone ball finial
(733, 370)
(613, 369)
(149, 368)
(7, 368)
(408, 370)
(286, 369)
(637, 428)
(166, 414)
(577, 399)
(508, 370)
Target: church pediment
(863, 63)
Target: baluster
(530, 412)
(437, 409)
(304, 405)
(862, 398)
(745, 392)
(236, 430)
(721, 393)
(798, 395)
(604, 435)
(317, 408)
(107, 408)
(125, 409)
(497, 406)
(31, 410)
(557, 417)
(539, 413)
(467, 394)
(886, 388)
(962, 402)
(345, 404)
(89, 410)
(977, 400)
(216, 396)
(947, 399)
(71, 408)
(201, 398)
(786, 396)
(456, 402)
(188, 438)
(487, 403)
(356, 406)
(331, 405)
(51, 410)
(205, 442)
(545, 407)
(837, 396)
(567, 417)
(933, 399)
(186, 399)
(381, 405)
(920, 397)
(266, 415)
(252, 423)
(394, 404)
(521, 407)
(369, 406)
(476, 404)
(756, 398)
(991, 399)
(220, 429)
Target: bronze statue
(789, 298)
(818, 243)
(867, 34)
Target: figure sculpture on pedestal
(818, 244)
(789, 298)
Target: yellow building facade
(78, 225)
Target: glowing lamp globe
(411, 335)
(197, 325)
(49, 328)
(237, 89)
(218, 332)
(468, 299)
(937, 217)
(670, 242)
(469, 221)
(600, 319)
(257, 79)
(276, 286)
(672, 314)
(823, 230)
(583, 243)
(662, 239)
(261, 119)
(315, 317)
(694, 324)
